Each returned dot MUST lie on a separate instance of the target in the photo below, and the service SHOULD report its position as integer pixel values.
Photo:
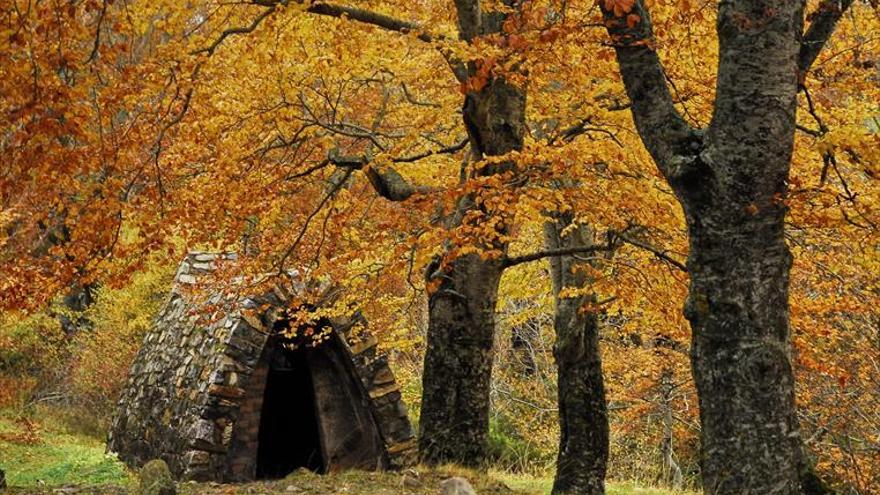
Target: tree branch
(97, 44)
(353, 13)
(660, 254)
(549, 253)
(389, 23)
(660, 126)
(824, 20)
(236, 30)
(373, 18)
(585, 127)
(387, 182)
(447, 150)
(330, 194)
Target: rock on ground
(456, 486)
(156, 479)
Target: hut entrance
(289, 437)
(314, 413)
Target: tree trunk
(731, 181)
(454, 423)
(458, 363)
(670, 473)
(738, 309)
(732, 194)
(583, 414)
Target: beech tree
(731, 179)
(583, 413)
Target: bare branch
(660, 254)
(97, 45)
(585, 127)
(447, 150)
(236, 30)
(549, 253)
(330, 194)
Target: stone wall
(242, 458)
(197, 374)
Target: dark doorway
(289, 438)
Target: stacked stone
(190, 380)
(384, 393)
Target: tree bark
(583, 415)
(731, 182)
(741, 356)
(454, 423)
(739, 262)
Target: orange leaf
(632, 20)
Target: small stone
(232, 379)
(291, 488)
(384, 376)
(456, 486)
(410, 482)
(156, 479)
(226, 392)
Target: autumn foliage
(134, 131)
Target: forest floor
(47, 456)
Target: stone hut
(219, 395)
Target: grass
(415, 481)
(533, 485)
(47, 454)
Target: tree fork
(731, 182)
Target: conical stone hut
(219, 395)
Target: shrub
(102, 354)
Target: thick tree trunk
(733, 195)
(458, 363)
(738, 309)
(454, 423)
(731, 181)
(583, 414)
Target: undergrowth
(44, 450)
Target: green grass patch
(54, 457)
